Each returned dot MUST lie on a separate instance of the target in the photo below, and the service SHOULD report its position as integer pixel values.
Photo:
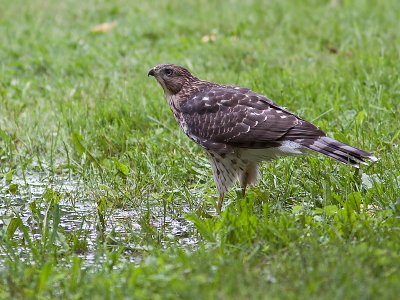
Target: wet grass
(102, 196)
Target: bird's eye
(168, 72)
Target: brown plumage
(239, 128)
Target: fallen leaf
(333, 50)
(104, 27)
(208, 38)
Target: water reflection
(78, 215)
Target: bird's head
(171, 77)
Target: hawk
(239, 128)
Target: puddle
(78, 213)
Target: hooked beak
(151, 73)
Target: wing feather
(222, 117)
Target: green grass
(78, 105)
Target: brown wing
(223, 117)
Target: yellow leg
(243, 191)
(220, 200)
(244, 183)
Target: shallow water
(78, 213)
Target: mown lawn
(77, 110)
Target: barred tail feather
(339, 151)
